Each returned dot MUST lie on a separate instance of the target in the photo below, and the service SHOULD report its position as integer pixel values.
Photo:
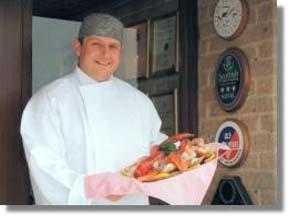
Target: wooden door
(15, 70)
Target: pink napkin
(187, 188)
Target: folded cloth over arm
(187, 188)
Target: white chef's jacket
(76, 126)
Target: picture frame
(167, 107)
(164, 46)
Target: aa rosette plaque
(232, 79)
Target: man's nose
(105, 52)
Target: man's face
(98, 56)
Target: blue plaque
(232, 79)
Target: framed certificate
(167, 107)
(164, 44)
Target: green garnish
(168, 147)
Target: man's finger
(114, 197)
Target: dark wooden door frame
(27, 52)
(15, 40)
(188, 55)
(26, 84)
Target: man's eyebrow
(114, 44)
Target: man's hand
(114, 198)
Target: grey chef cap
(102, 25)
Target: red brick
(268, 123)
(267, 11)
(257, 105)
(267, 49)
(261, 142)
(262, 68)
(268, 161)
(208, 63)
(268, 197)
(206, 30)
(259, 180)
(252, 88)
(203, 47)
(251, 162)
(251, 121)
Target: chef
(87, 122)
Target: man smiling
(87, 122)
(98, 56)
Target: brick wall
(259, 112)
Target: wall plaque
(232, 79)
(234, 134)
(230, 18)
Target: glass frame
(160, 54)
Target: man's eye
(95, 44)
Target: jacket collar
(84, 79)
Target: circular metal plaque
(234, 134)
(232, 79)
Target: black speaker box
(231, 191)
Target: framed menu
(164, 44)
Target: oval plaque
(232, 79)
(234, 134)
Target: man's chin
(99, 74)
(102, 77)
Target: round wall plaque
(230, 18)
(234, 134)
(232, 79)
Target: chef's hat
(101, 24)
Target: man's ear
(77, 47)
(121, 48)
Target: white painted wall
(52, 51)
(53, 55)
